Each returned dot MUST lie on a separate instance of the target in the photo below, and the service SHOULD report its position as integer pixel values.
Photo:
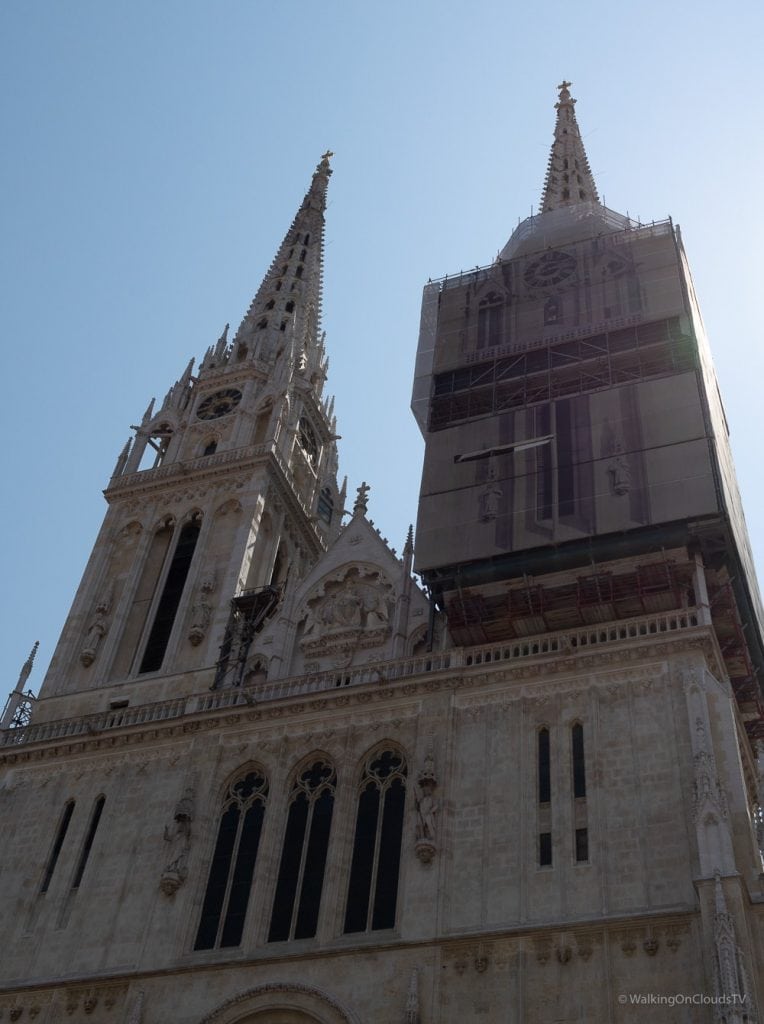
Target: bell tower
(577, 464)
(226, 493)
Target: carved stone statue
(178, 835)
(426, 809)
(201, 612)
(619, 471)
(489, 499)
(97, 629)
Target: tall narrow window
(489, 321)
(303, 856)
(233, 863)
(170, 599)
(59, 842)
(582, 845)
(544, 773)
(579, 769)
(88, 844)
(373, 887)
(545, 849)
(325, 505)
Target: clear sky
(155, 151)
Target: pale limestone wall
(546, 932)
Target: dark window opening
(298, 272)
(579, 768)
(325, 505)
(85, 853)
(373, 886)
(263, 323)
(233, 864)
(54, 853)
(210, 448)
(545, 849)
(566, 476)
(307, 239)
(582, 844)
(170, 599)
(303, 857)
(552, 310)
(283, 325)
(289, 306)
(545, 777)
(270, 304)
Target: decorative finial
(224, 336)
(409, 545)
(325, 157)
(361, 506)
(27, 667)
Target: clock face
(549, 269)
(219, 404)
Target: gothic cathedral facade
(275, 780)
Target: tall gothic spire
(285, 314)
(569, 178)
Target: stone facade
(234, 653)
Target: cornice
(603, 671)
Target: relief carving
(352, 606)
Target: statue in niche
(426, 810)
(619, 472)
(488, 502)
(97, 629)
(201, 612)
(178, 835)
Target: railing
(560, 644)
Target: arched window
(156, 645)
(373, 887)
(210, 447)
(489, 321)
(233, 863)
(59, 842)
(303, 856)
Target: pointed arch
(256, 1004)
(372, 895)
(232, 866)
(172, 591)
(299, 885)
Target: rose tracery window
(233, 863)
(373, 887)
(303, 855)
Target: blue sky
(154, 154)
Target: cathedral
(271, 777)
